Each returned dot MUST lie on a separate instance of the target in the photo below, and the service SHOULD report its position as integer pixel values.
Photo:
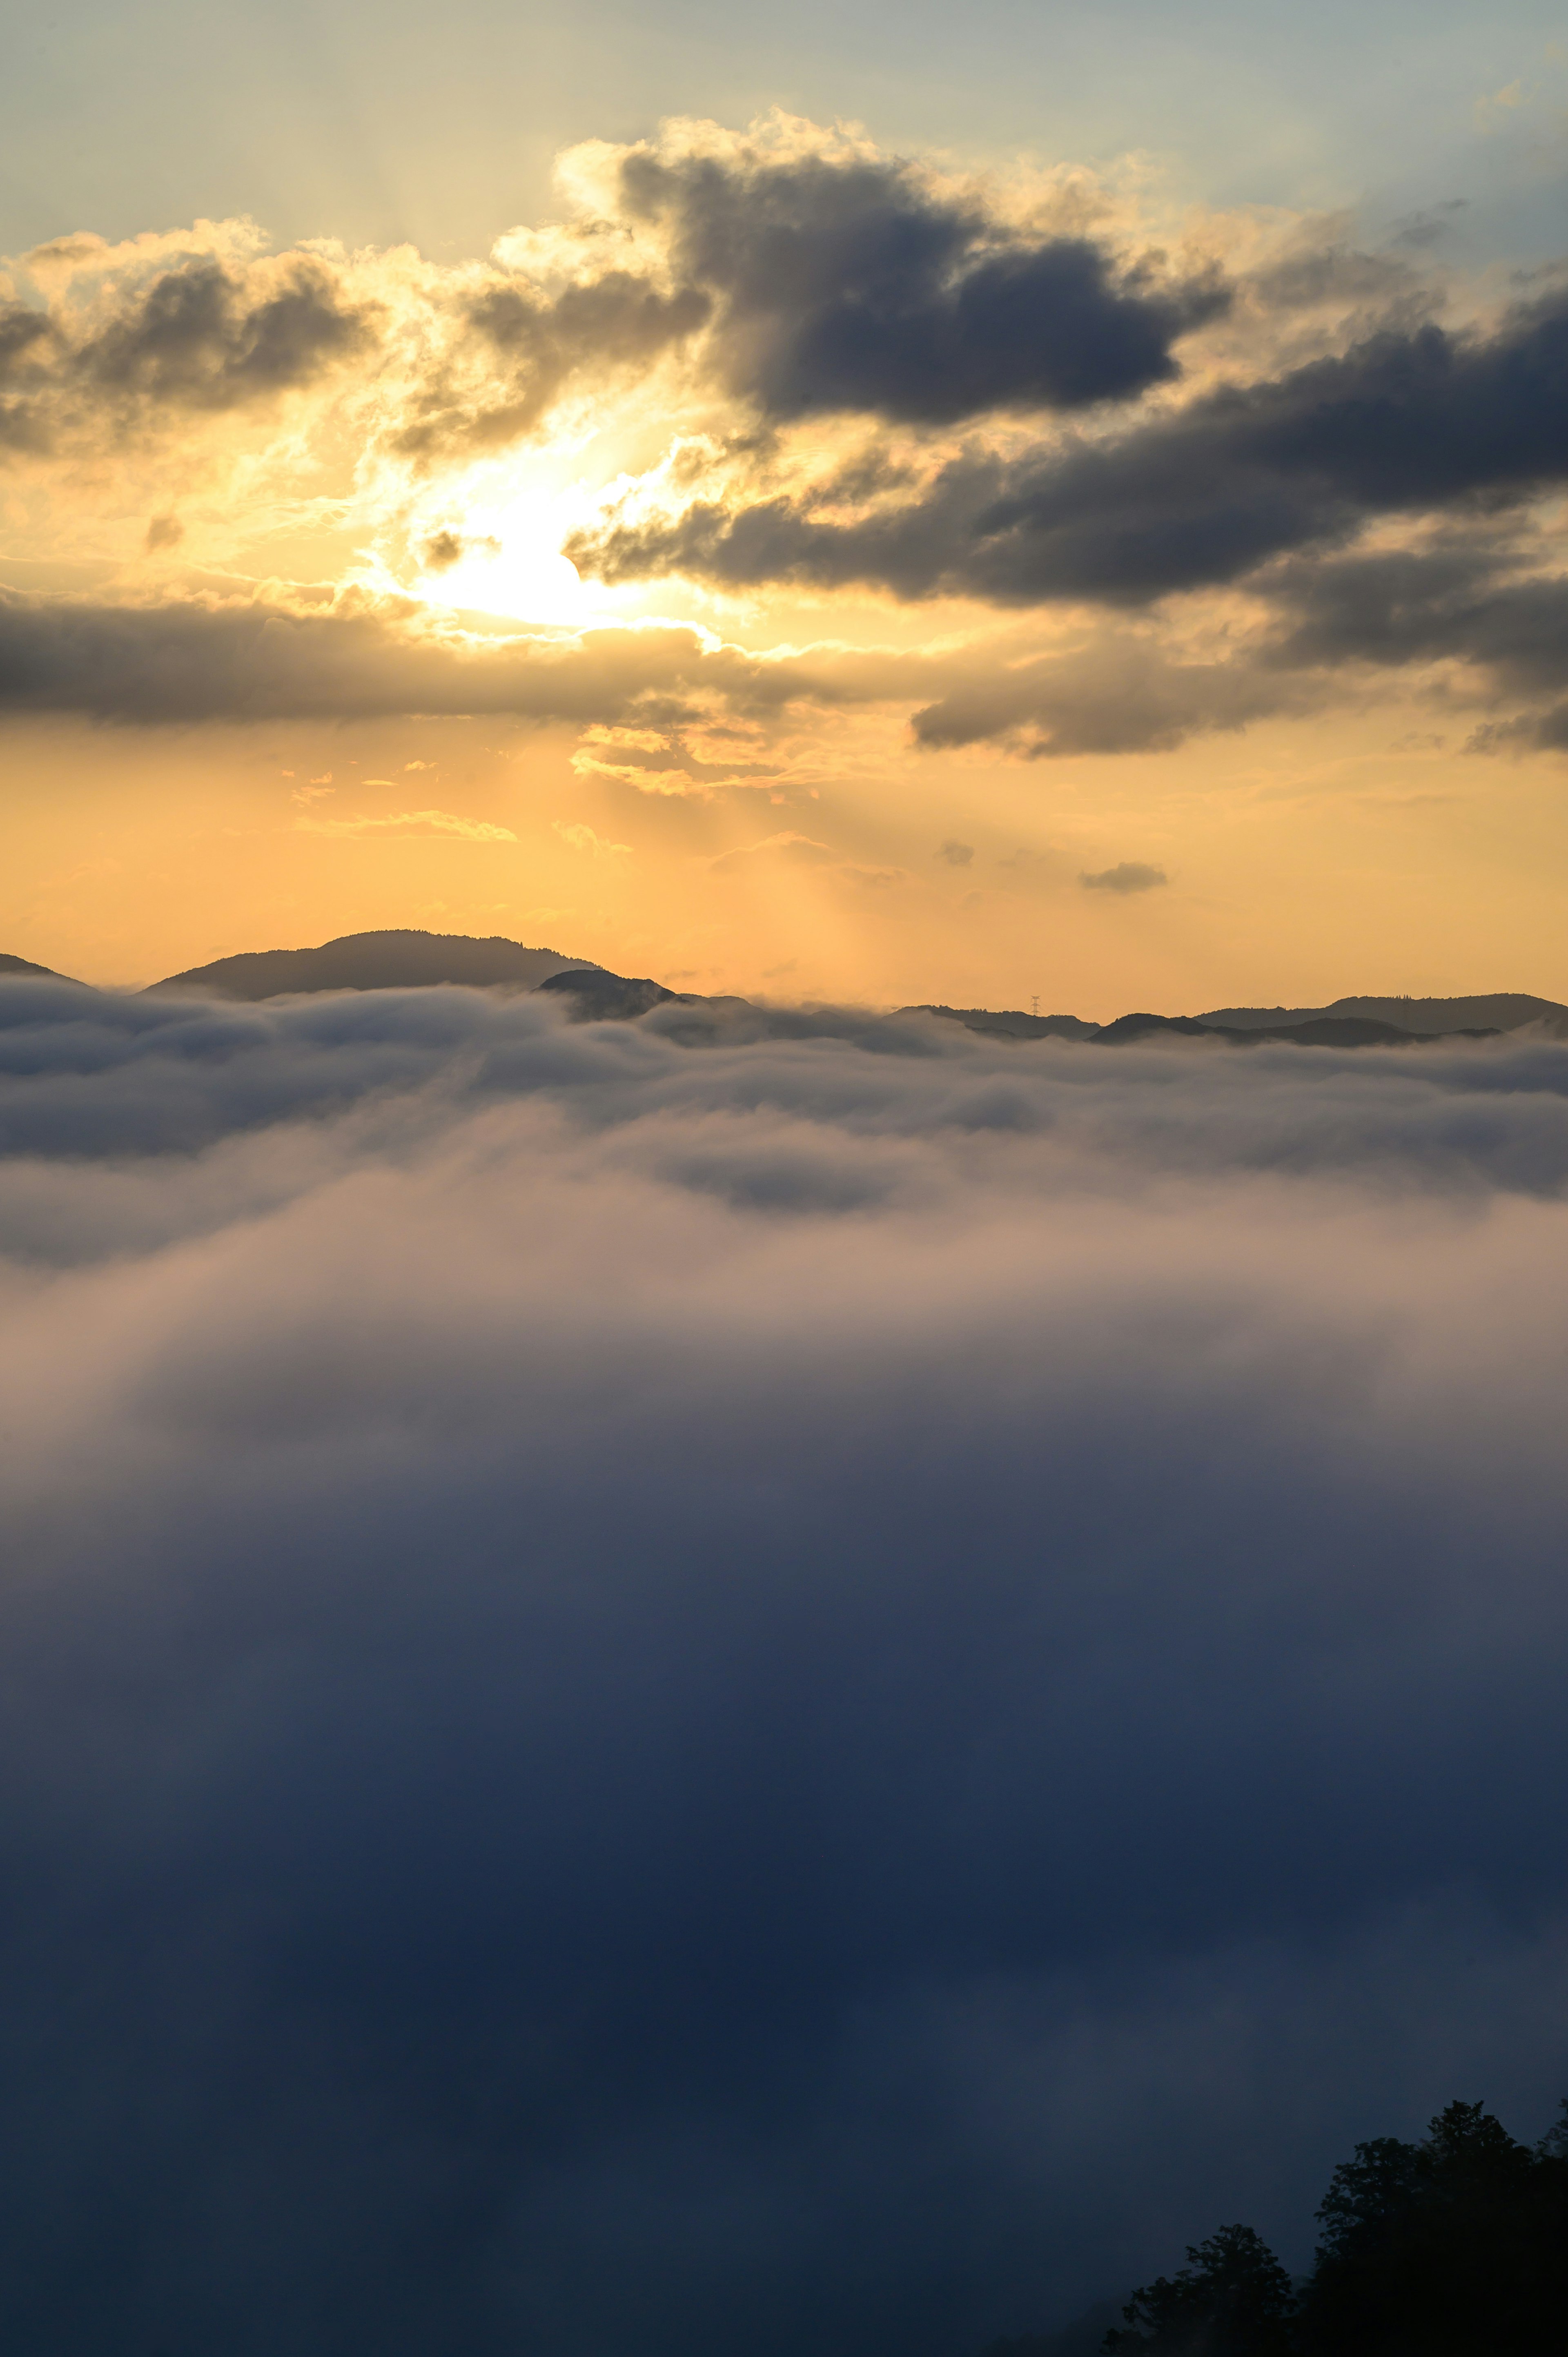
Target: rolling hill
(403, 959)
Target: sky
(791, 505)
(783, 1677)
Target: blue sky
(380, 123)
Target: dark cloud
(1467, 597)
(25, 341)
(203, 336)
(955, 855)
(853, 286)
(254, 660)
(661, 1701)
(1127, 875)
(1405, 421)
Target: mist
(823, 1690)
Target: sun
(504, 557)
(491, 542)
(524, 579)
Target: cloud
(1471, 597)
(954, 855)
(663, 761)
(204, 338)
(1127, 875)
(532, 347)
(423, 822)
(446, 549)
(206, 333)
(876, 375)
(189, 334)
(782, 274)
(844, 281)
(260, 659)
(1405, 421)
(663, 1700)
(582, 838)
(789, 845)
(1118, 693)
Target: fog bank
(827, 1690)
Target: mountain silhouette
(402, 959)
(1315, 1032)
(1501, 1010)
(25, 966)
(1348, 1024)
(1008, 1025)
(407, 959)
(597, 996)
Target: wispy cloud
(422, 822)
(581, 837)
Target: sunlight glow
(508, 560)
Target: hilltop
(400, 959)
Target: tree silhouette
(1454, 2246)
(1231, 2300)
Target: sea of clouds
(819, 1691)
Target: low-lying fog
(817, 1693)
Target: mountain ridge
(402, 957)
(21, 966)
(1500, 1010)
(410, 957)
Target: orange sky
(296, 650)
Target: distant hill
(399, 960)
(600, 998)
(1314, 1032)
(1502, 1010)
(25, 966)
(1008, 1025)
(1343, 1026)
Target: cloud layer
(825, 1689)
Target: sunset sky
(792, 1680)
(902, 503)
